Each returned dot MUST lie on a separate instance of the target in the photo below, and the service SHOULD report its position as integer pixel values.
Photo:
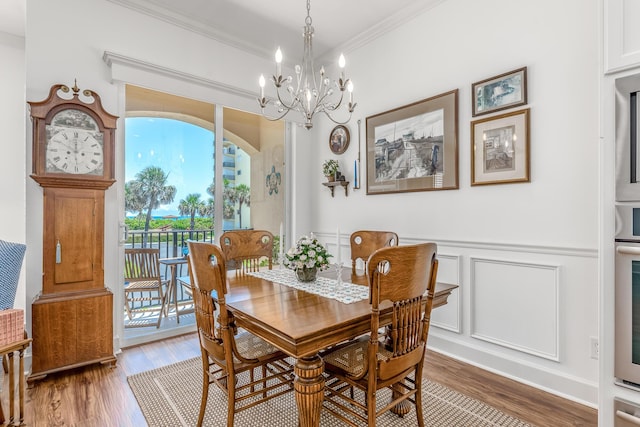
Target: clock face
(74, 144)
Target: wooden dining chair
(405, 277)
(365, 242)
(229, 360)
(143, 283)
(246, 250)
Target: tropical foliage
(192, 205)
(240, 195)
(148, 191)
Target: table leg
(174, 289)
(401, 408)
(309, 389)
(11, 389)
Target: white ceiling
(260, 26)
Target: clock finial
(75, 87)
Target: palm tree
(227, 195)
(191, 205)
(133, 202)
(151, 186)
(209, 209)
(240, 195)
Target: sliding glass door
(170, 190)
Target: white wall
(547, 228)
(13, 147)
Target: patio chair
(246, 250)
(404, 276)
(143, 283)
(365, 242)
(225, 356)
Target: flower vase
(307, 274)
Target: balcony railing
(172, 244)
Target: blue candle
(355, 173)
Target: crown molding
(163, 14)
(392, 22)
(381, 28)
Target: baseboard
(549, 380)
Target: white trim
(457, 302)
(555, 356)
(493, 246)
(111, 58)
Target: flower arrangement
(330, 167)
(307, 253)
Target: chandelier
(309, 95)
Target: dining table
(302, 319)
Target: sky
(182, 150)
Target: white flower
(309, 253)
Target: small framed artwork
(414, 147)
(500, 149)
(500, 92)
(339, 139)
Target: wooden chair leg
(205, 390)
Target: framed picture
(415, 147)
(500, 149)
(339, 139)
(500, 92)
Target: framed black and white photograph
(339, 139)
(500, 149)
(500, 92)
(414, 147)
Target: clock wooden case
(73, 160)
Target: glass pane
(170, 181)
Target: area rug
(170, 396)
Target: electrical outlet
(594, 347)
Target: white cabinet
(621, 35)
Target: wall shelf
(333, 184)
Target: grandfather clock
(73, 160)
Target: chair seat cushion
(251, 347)
(140, 285)
(351, 359)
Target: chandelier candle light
(310, 96)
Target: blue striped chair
(11, 256)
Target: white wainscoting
(515, 305)
(449, 316)
(527, 312)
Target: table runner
(344, 292)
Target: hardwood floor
(100, 396)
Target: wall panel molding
(449, 317)
(516, 305)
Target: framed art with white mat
(500, 149)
